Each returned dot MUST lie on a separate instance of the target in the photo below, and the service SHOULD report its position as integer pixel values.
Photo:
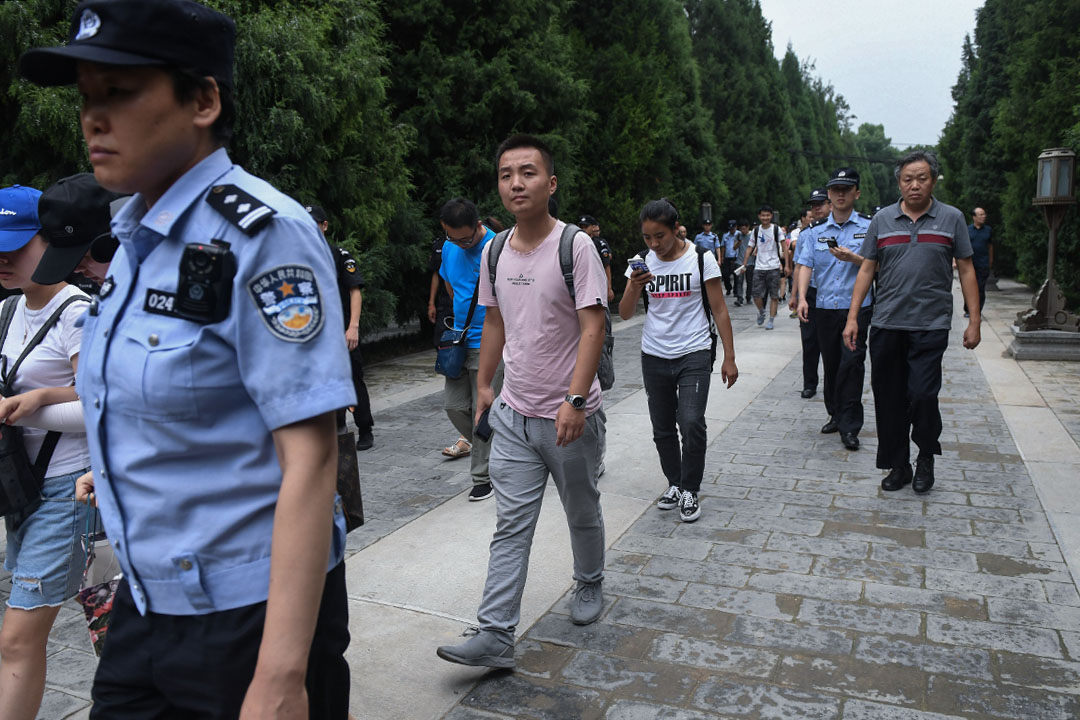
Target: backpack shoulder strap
(9, 373)
(701, 276)
(5, 317)
(497, 244)
(566, 257)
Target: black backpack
(606, 369)
(21, 480)
(704, 299)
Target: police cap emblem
(289, 302)
(89, 24)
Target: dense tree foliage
(1017, 94)
(382, 111)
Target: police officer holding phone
(211, 369)
(829, 251)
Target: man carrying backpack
(769, 264)
(548, 417)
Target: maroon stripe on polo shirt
(897, 239)
(934, 238)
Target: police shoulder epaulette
(822, 221)
(865, 216)
(240, 208)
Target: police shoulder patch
(350, 266)
(240, 208)
(865, 216)
(288, 301)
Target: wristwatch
(576, 401)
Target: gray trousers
(459, 401)
(523, 454)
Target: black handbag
(451, 352)
(21, 480)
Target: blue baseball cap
(18, 216)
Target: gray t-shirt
(914, 288)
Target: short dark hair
(915, 156)
(661, 211)
(459, 213)
(526, 141)
(742, 221)
(494, 223)
(765, 208)
(187, 82)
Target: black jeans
(905, 373)
(749, 275)
(811, 349)
(678, 391)
(198, 667)
(844, 370)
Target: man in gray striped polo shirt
(911, 246)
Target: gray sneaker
(484, 649)
(587, 603)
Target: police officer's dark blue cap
(174, 33)
(817, 195)
(844, 177)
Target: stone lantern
(1054, 194)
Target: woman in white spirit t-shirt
(44, 551)
(677, 349)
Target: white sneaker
(670, 499)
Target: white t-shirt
(675, 324)
(48, 365)
(767, 257)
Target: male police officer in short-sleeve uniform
(828, 251)
(210, 371)
(349, 286)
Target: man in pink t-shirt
(548, 417)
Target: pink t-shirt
(541, 322)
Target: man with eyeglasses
(465, 239)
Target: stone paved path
(802, 592)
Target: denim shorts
(45, 555)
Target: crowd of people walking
(194, 398)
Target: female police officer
(211, 371)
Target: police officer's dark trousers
(811, 349)
(845, 369)
(198, 667)
(905, 374)
(727, 270)
(362, 414)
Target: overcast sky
(894, 62)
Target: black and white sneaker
(689, 508)
(481, 492)
(670, 499)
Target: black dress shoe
(808, 392)
(850, 440)
(924, 474)
(830, 427)
(364, 440)
(897, 478)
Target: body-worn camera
(206, 276)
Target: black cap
(731, 223)
(176, 33)
(844, 177)
(586, 221)
(817, 195)
(317, 213)
(74, 214)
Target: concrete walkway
(802, 592)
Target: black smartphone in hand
(483, 427)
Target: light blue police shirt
(729, 243)
(708, 240)
(835, 279)
(179, 414)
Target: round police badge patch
(289, 302)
